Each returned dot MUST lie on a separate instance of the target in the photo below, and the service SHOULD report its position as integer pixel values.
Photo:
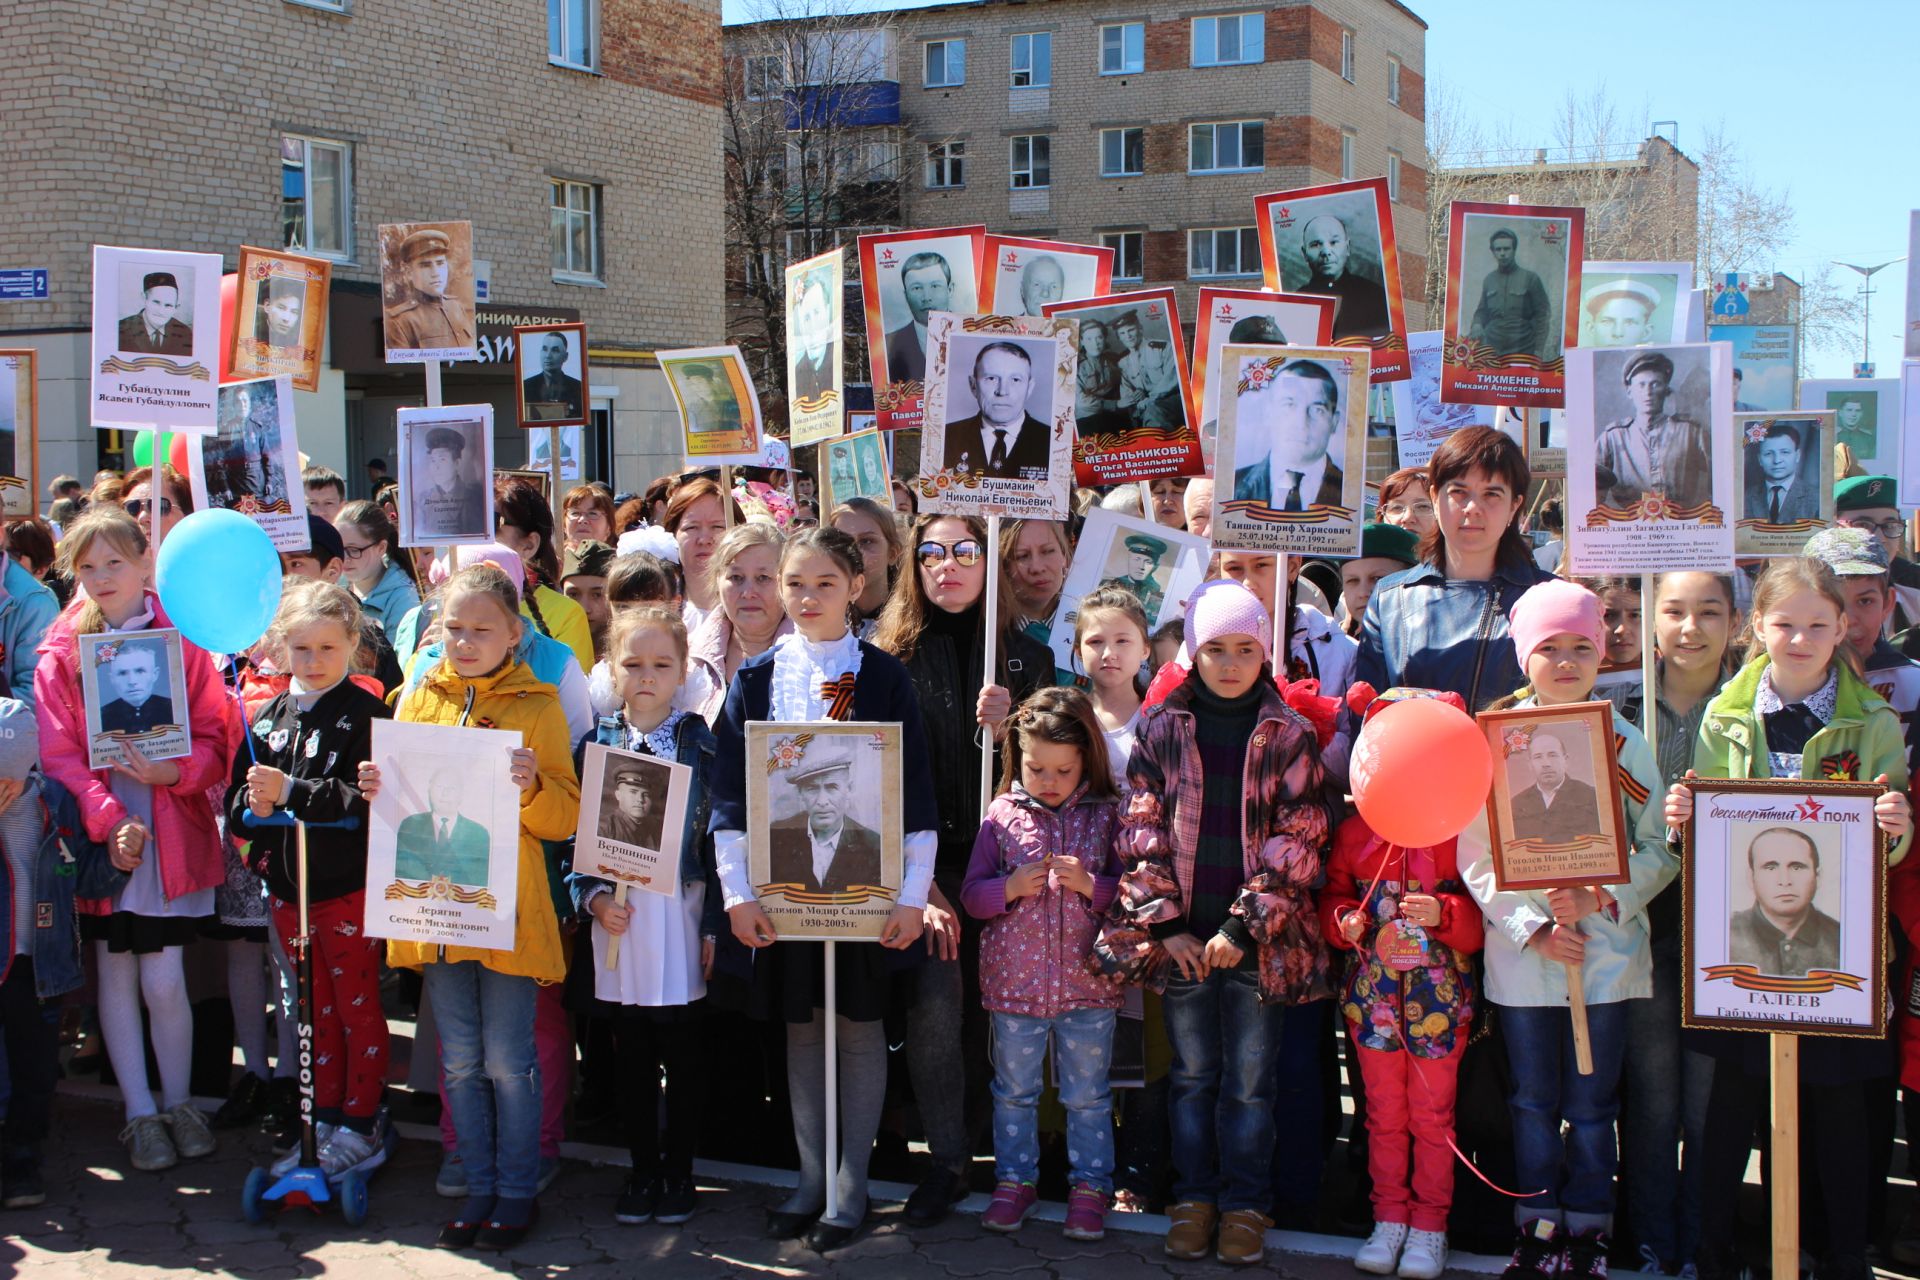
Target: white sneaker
(1425, 1256)
(1382, 1249)
(322, 1131)
(347, 1151)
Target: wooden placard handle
(1577, 1007)
(613, 939)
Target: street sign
(482, 280)
(22, 284)
(1730, 296)
(1862, 370)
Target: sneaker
(1586, 1257)
(149, 1144)
(1650, 1264)
(1425, 1256)
(1690, 1272)
(935, 1197)
(1013, 1203)
(1086, 1213)
(1381, 1253)
(637, 1200)
(191, 1137)
(24, 1187)
(549, 1170)
(290, 1159)
(451, 1182)
(1243, 1237)
(348, 1151)
(280, 1108)
(1536, 1252)
(245, 1103)
(677, 1200)
(1191, 1234)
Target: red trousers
(1410, 1114)
(349, 1027)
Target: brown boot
(1243, 1237)
(1192, 1232)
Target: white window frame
(1393, 176)
(1246, 248)
(1123, 67)
(1349, 154)
(344, 211)
(1252, 43)
(589, 39)
(1393, 80)
(326, 6)
(1120, 135)
(559, 202)
(772, 86)
(951, 162)
(947, 48)
(1240, 126)
(1117, 241)
(1038, 76)
(1346, 54)
(1036, 172)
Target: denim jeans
(1574, 1173)
(1082, 1055)
(485, 1020)
(1667, 1089)
(1224, 1045)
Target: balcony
(868, 103)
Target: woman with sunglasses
(176, 502)
(935, 623)
(385, 587)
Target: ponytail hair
(1061, 715)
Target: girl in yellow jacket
(483, 1001)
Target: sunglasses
(138, 508)
(966, 553)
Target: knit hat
(505, 559)
(324, 541)
(1552, 607)
(19, 739)
(1389, 542)
(1850, 553)
(587, 559)
(1857, 492)
(1224, 607)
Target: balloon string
(240, 704)
(1362, 947)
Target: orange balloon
(177, 452)
(229, 308)
(1420, 772)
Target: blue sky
(1820, 98)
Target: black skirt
(788, 980)
(123, 931)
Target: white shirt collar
(823, 852)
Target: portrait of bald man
(1326, 248)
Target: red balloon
(229, 307)
(177, 452)
(1420, 772)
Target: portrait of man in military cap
(426, 283)
(1140, 563)
(822, 848)
(155, 327)
(633, 802)
(445, 476)
(1618, 313)
(1633, 304)
(1659, 445)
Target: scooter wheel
(353, 1199)
(253, 1195)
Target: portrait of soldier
(1783, 934)
(1327, 248)
(425, 318)
(1513, 312)
(631, 813)
(1620, 313)
(708, 398)
(1001, 439)
(822, 849)
(1652, 451)
(154, 328)
(927, 283)
(1281, 444)
(1558, 807)
(1144, 553)
(1853, 422)
(1149, 376)
(552, 393)
(446, 503)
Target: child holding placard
(1798, 709)
(1534, 938)
(652, 995)
(1110, 642)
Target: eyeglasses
(1888, 528)
(1402, 509)
(138, 508)
(966, 553)
(354, 553)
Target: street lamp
(1866, 293)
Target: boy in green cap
(1873, 503)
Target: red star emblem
(1810, 808)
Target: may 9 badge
(1402, 945)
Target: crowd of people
(1130, 973)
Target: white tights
(160, 980)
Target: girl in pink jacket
(156, 820)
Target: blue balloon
(219, 580)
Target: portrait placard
(633, 813)
(1554, 814)
(251, 463)
(1133, 396)
(156, 339)
(1913, 285)
(1510, 269)
(1909, 473)
(1249, 317)
(1028, 276)
(819, 786)
(551, 360)
(1293, 433)
(426, 291)
(1650, 458)
(1783, 907)
(280, 316)
(1159, 565)
(1337, 241)
(998, 429)
(19, 431)
(719, 409)
(445, 477)
(906, 276)
(1866, 418)
(1763, 365)
(856, 467)
(816, 397)
(537, 477)
(133, 689)
(443, 836)
(1421, 419)
(1782, 481)
(1635, 304)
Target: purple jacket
(1033, 956)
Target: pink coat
(188, 842)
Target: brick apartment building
(580, 138)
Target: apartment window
(316, 196)
(1123, 48)
(1129, 254)
(1033, 60)
(766, 76)
(946, 63)
(1346, 55)
(1032, 161)
(1348, 142)
(576, 229)
(1234, 147)
(1229, 41)
(1123, 153)
(1223, 251)
(570, 32)
(946, 164)
(1393, 81)
(1393, 176)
